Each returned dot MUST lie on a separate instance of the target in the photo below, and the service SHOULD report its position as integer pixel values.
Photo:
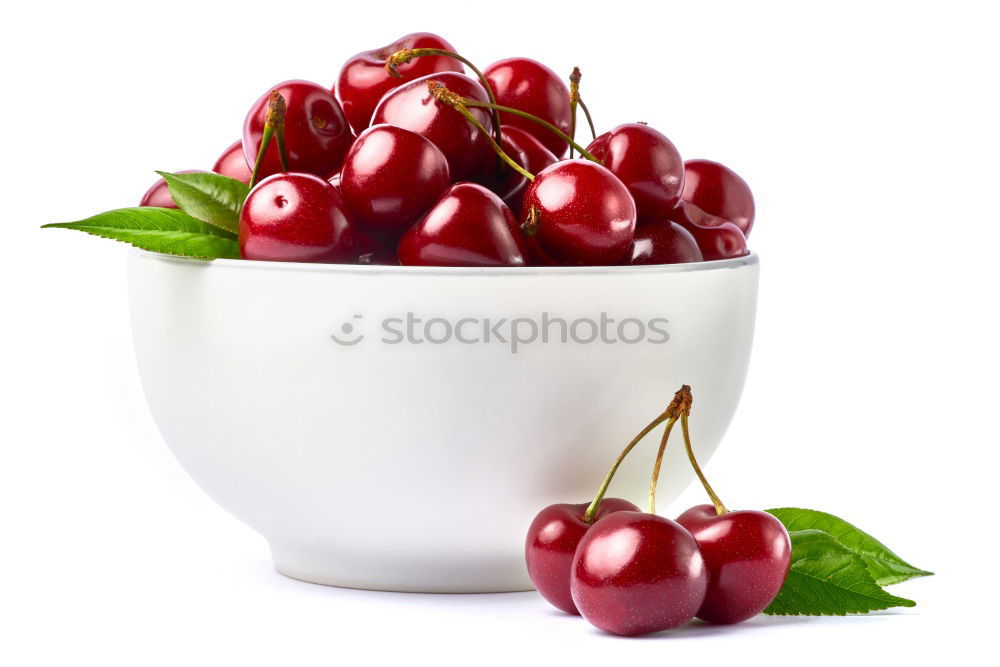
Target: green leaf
(165, 230)
(885, 566)
(211, 198)
(828, 579)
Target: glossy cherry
(158, 193)
(413, 107)
(717, 238)
(233, 163)
(636, 573)
(663, 243)
(747, 553)
(552, 540)
(530, 86)
(719, 191)
(585, 215)
(294, 217)
(392, 176)
(468, 226)
(647, 163)
(316, 133)
(528, 152)
(364, 80)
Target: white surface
(869, 134)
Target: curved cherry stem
(590, 121)
(654, 480)
(456, 102)
(274, 128)
(535, 119)
(720, 509)
(406, 55)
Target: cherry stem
(720, 509)
(590, 121)
(574, 99)
(654, 480)
(406, 55)
(535, 119)
(274, 128)
(441, 93)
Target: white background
(869, 135)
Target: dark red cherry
(392, 176)
(316, 133)
(718, 190)
(551, 543)
(364, 80)
(747, 554)
(636, 573)
(468, 226)
(528, 152)
(412, 107)
(647, 163)
(377, 248)
(663, 243)
(586, 216)
(717, 238)
(158, 193)
(528, 85)
(233, 164)
(294, 217)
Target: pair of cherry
(630, 572)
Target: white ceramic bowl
(385, 463)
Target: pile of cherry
(408, 160)
(631, 573)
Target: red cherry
(364, 80)
(717, 238)
(718, 190)
(468, 226)
(647, 163)
(528, 152)
(316, 133)
(413, 107)
(636, 573)
(528, 85)
(747, 554)
(391, 176)
(158, 193)
(233, 164)
(295, 217)
(586, 216)
(552, 541)
(663, 243)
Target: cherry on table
(364, 80)
(580, 213)
(468, 226)
(647, 163)
(392, 176)
(295, 217)
(316, 133)
(531, 86)
(412, 106)
(663, 242)
(716, 238)
(233, 163)
(719, 191)
(158, 193)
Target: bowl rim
(750, 259)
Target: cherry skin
(552, 541)
(158, 193)
(364, 80)
(233, 164)
(586, 216)
(294, 217)
(528, 152)
(392, 176)
(647, 163)
(316, 133)
(412, 107)
(528, 85)
(717, 238)
(663, 243)
(468, 226)
(747, 554)
(636, 573)
(719, 191)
